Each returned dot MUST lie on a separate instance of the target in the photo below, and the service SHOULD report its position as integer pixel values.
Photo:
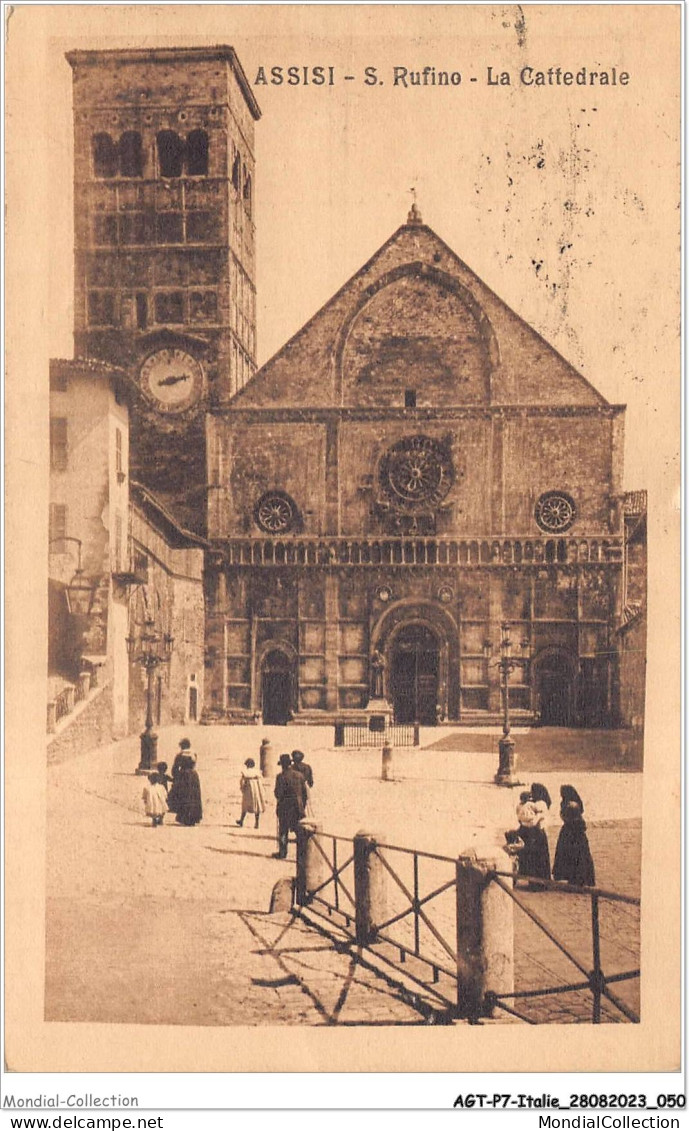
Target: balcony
(438, 551)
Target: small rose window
(276, 513)
(555, 512)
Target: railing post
(369, 887)
(417, 734)
(386, 766)
(311, 866)
(485, 933)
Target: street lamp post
(150, 650)
(506, 665)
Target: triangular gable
(513, 364)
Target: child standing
(253, 797)
(161, 775)
(155, 800)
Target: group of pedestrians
(529, 842)
(179, 794)
(293, 786)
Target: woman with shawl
(532, 811)
(573, 860)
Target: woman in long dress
(251, 788)
(573, 860)
(184, 798)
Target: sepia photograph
(353, 419)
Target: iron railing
(420, 931)
(595, 981)
(356, 735)
(64, 703)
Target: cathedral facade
(413, 470)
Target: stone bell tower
(165, 245)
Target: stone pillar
(485, 932)
(266, 759)
(386, 766)
(369, 887)
(52, 717)
(84, 683)
(312, 867)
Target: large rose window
(416, 473)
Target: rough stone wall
(89, 729)
(567, 453)
(262, 457)
(415, 334)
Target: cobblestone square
(172, 925)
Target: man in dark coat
(303, 767)
(290, 794)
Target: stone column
(266, 759)
(485, 932)
(369, 887)
(312, 867)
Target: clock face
(172, 379)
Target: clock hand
(173, 380)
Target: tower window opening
(131, 155)
(101, 308)
(236, 172)
(247, 192)
(104, 156)
(169, 306)
(410, 398)
(170, 153)
(141, 312)
(197, 153)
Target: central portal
(276, 688)
(414, 675)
